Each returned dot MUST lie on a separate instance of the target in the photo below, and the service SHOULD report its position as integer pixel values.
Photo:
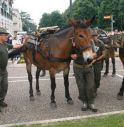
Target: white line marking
(119, 75)
(45, 79)
(56, 75)
(34, 76)
(63, 119)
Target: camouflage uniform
(3, 65)
(99, 64)
(3, 71)
(84, 75)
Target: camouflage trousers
(97, 73)
(3, 84)
(85, 83)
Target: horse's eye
(81, 36)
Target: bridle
(78, 46)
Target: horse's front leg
(28, 66)
(66, 84)
(53, 86)
(120, 94)
(37, 81)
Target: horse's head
(83, 38)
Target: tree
(87, 9)
(52, 19)
(27, 22)
(45, 20)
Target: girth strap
(55, 59)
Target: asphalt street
(21, 109)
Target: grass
(116, 54)
(106, 121)
(21, 61)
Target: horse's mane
(82, 23)
(63, 31)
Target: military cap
(94, 33)
(3, 31)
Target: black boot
(84, 107)
(92, 108)
(0, 110)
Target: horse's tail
(15, 53)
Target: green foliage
(27, 22)
(87, 9)
(106, 121)
(53, 19)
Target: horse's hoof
(38, 93)
(53, 105)
(105, 75)
(70, 102)
(32, 98)
(113, 75)
(120, 97)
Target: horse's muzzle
(89, 60)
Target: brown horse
(119, 42)
(110, 53)
(53, 54)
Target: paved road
(21, 109)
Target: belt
(82, 66)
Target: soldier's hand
(94, 61)
(74, 56)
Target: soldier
(3, 64)
(84, 76)
(98, 63)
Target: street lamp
(70, 9)
(112, 21)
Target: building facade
(17, 22)
(6, 14)
(10, 18)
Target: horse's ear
(89, 22)
(73, 22)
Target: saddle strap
(50, 58)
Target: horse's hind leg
(53, 86)
(66, 83)
(120, 94)
(106, 67)
(37, 81)
(113, 63)
(28, 67)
